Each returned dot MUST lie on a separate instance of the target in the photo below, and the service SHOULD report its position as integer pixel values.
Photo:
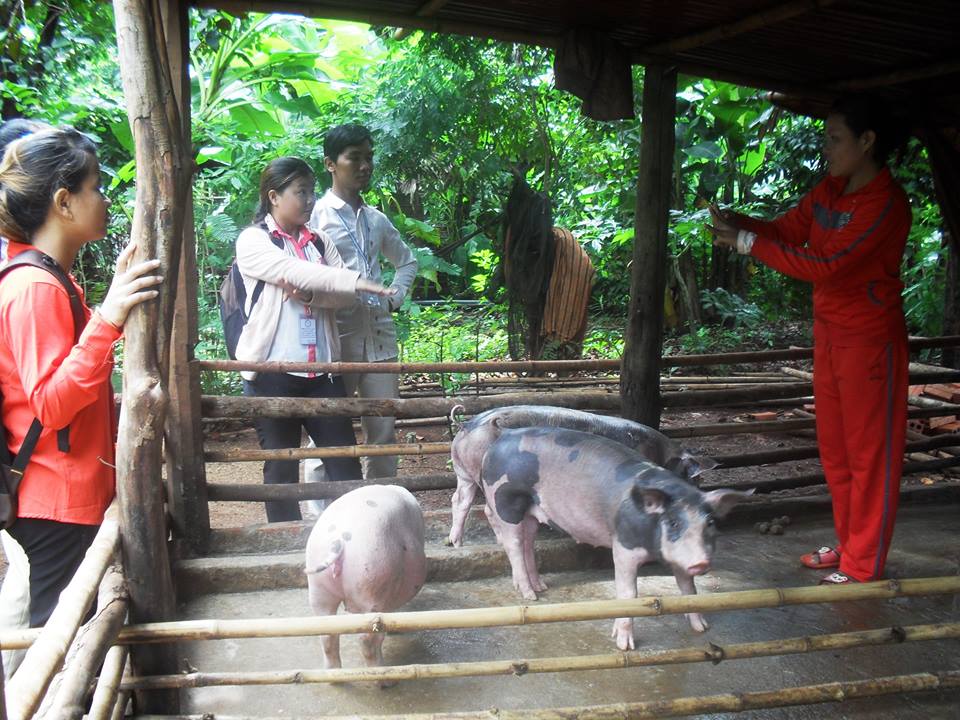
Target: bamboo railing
(649, 606)
(681, 707)
(533, 366)
(25, 690)
(579, 663)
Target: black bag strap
(36, 258)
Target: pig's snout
(698, 568)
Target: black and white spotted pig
(476, 435)
(605, 494)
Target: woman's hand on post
(131, 285)
(369, 286)
(724, 229)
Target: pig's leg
(371, 647)
(511, 537)
(323, 602)
(460, 504)
(687, 587)
(625, 564)
(530, 526)
(494, 521)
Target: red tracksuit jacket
(850, 248)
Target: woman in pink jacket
(294, 280)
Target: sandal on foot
(825, 557)
(837, 578)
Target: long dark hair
(277, 176)
(867, 112)
(33, 169)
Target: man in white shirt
(363, 235)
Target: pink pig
(366, 551)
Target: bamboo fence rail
(26, 688)
(733, 358)
(218, 406)
(681, 707)
(105, 696)
(442, 448)
(65, 696)
(649, 606)
(578, 663)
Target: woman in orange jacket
(51, 201)
(847, 238)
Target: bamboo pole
(26, 688)
(223, 492)
(649, 606)
(537, 366)
(698, 705)
(108, 686)
(578, 663)
(303, 453)
(87, 652)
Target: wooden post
(186, 472)
(162, 180)
(639, 379)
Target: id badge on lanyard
(308, 330)
(366, 298)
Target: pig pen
(253, 575)
(257, 572)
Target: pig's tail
(457, 418)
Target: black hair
(861, 113)
(17, 128)
(341, 137)
(33, 169)
(277, 176)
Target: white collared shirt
(367, 334)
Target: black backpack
(233, 297)
(11, 469)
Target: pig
(476, 435)
(365, 551)
(606, 494)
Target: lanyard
(358, 246)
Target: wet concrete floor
(927, 543)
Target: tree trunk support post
(186, 472)
(162, 182)
(640, 375)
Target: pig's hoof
(623, 632)
(698, 622)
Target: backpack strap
(258, 288)
(36, 258)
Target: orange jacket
(850, 247)
(44, 375)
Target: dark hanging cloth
(527, 264)
(596, 69)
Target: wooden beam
(756, 21)
(185, 470)
(643, 341)
(162, 181)
(897, 77)
(425, 10)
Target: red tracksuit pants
(861, 408)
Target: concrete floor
(927, 543)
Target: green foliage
(729, 309)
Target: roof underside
(812, 48)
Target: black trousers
(55, 551)
(276, 433)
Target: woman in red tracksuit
(847, 237)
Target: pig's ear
(722, 501)
(649, 500)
